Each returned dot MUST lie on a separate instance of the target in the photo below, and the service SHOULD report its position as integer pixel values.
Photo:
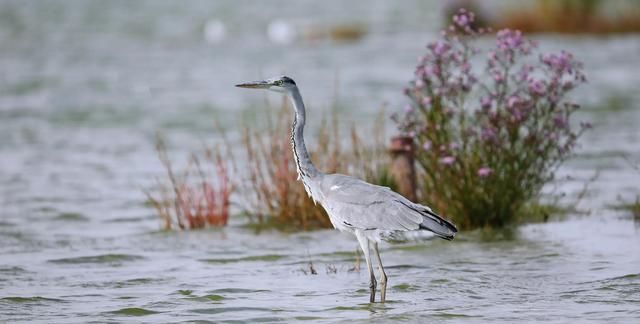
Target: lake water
(85, 85)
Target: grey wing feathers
(361, 205)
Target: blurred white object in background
(214, 31)
(281, 32)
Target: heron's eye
(279, 82)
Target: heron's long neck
(305, 167)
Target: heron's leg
(383, 275)
(364, 244)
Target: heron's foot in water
(372, 288)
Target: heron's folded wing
(362, 205)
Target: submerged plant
(631, 207)
(488, 144)
(276, 197)
(191, 204)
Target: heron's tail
(434, 223)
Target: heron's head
(277, 84)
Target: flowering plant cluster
(489, 138)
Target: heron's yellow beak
(254, 85)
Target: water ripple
(99, 259)
(133, 311)
(231, 309)
(35, 299)
(267, 257)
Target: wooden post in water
(402, 166)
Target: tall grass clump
(197, 197)
(489, 137)
(276, 198)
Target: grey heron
(372, 213)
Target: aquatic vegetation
(635, 209)
(489, 137)
(573, 17)
(191, 204)
(275, 197)
(133, 311)
(631, 207)
(310, 269)
(348, 32)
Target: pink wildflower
(485, 103)
(484, 171)
(447, 160)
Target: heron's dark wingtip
(446, 237)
